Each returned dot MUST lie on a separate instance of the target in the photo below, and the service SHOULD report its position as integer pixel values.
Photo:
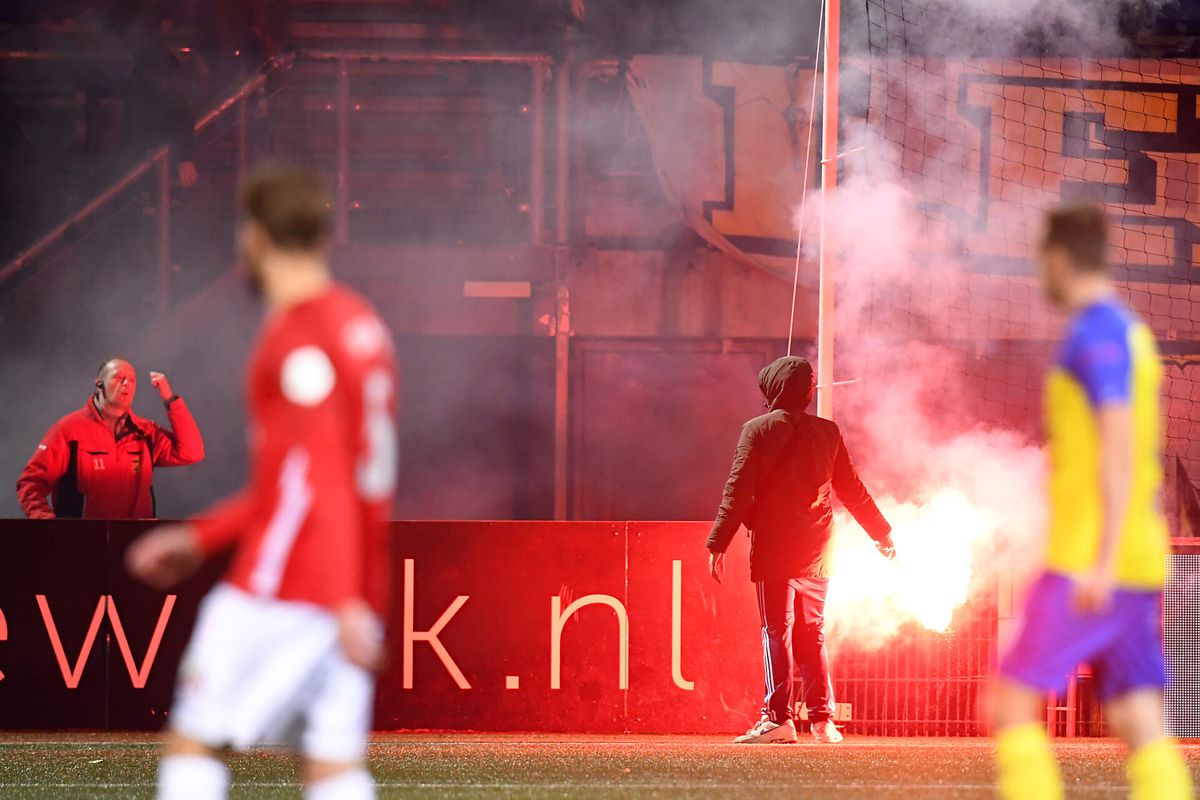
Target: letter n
(558, 619)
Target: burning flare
(937, 543)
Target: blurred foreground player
(98, 462)
(284, 647)
(1100, 597)
(787, 465)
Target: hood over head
(787, 383)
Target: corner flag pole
(829, 172)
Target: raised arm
(181, 444)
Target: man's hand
(360, 635)
(716, 565)
(887, 548)
(1093, 594)
(188, 176)
(160, 382)
(165, 556)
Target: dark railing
(158, 161)
(539, 65)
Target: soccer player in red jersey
(285, 645)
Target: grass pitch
(105, 766)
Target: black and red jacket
(787, 468)
(81, 469)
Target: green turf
(86, 766)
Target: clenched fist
(160, 382)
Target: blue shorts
(1123, 644)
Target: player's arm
(858, 501)
(170, 553)
(736, 500)
(223, 524)
(43, 471)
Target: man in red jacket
(98, 462)
(284, 646)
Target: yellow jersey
(1108, 357)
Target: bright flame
(871, 599)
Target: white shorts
(261, 671)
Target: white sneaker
(767, 732)
(826, 732)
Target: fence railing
(158, 162)
(539, 66)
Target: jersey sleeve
(224, 523)
(1099, 357)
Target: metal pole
(562, 392)
(829, 168)
(341, 224)
(164, 232)
(562, 143)
(425, 57)
(1072, 703)
(537, 177)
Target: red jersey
(82, 469)
(311, 525)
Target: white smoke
(965, 495)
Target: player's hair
(1081, 231)
(290, 204)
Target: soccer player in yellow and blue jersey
(1099, 599)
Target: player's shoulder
(361, 334)
(1101, 344)
(1103, 321)
(340, 322)
(332, 342)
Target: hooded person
(787, 467)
